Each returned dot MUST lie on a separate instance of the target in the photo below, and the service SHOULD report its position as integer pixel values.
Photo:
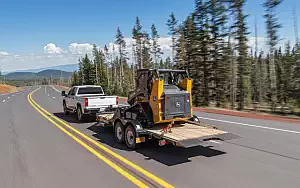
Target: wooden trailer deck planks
(186, 131)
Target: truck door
(71, 98)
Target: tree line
(212, 44)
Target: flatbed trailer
(182, 133)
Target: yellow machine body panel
(187, 84)
(156, 100)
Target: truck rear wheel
(66, 112)
(80, 115)
(130, 137)
(119, 132)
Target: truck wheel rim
(119, 133)
(130, 137)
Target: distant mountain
(56, 74)
(21, 76)
(67, 68)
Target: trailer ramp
(188, 135)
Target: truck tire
(119, 132)
(130, 137)
(80, 115)
(66, 112)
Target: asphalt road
(35, 153)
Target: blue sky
(27, 26)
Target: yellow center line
(124, 160)
(107, 161)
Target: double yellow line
(50, 117)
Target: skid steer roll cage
(146, 77)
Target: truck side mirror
(63, 93)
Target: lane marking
(3, 101)
(53, 97)
(13, 95)
(102, 147)
(107, 161)
(55, 89)
(214, 141)
(250, 125)
(8, 97)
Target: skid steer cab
(159, 108)
(164, 94)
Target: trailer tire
(119, 132)
(130, 138)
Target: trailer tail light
(117, 100)
(188, 98)
(162, 142)
(86, 102)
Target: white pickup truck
(87, 100)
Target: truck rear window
(90, 90)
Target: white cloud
(84, 48)
(4, 54)
(55, 55)
(52, 49)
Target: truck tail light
(188, 98)
(117, 100)
(86, 102)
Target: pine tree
(80, 73)
(155, 46)
(287, 65)
(75, 79)
(122, 55)
(229, 62)
(261, 77)
(107, 62)
(272, 32)
(180, 50)
(279, 75)
(146, 51)
(87, 67)
(96, 63)
(168, 63)
(218, 19)
(137, 35)
(296, 75)
(203, 75)
(241, 33)
(172, 24)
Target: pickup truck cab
(87, 100)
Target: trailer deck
(188, 134)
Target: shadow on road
(168, 155)
(71, 118)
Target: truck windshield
(90, 90)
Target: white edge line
(55, 89)
(249, 125)
(216, 142)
